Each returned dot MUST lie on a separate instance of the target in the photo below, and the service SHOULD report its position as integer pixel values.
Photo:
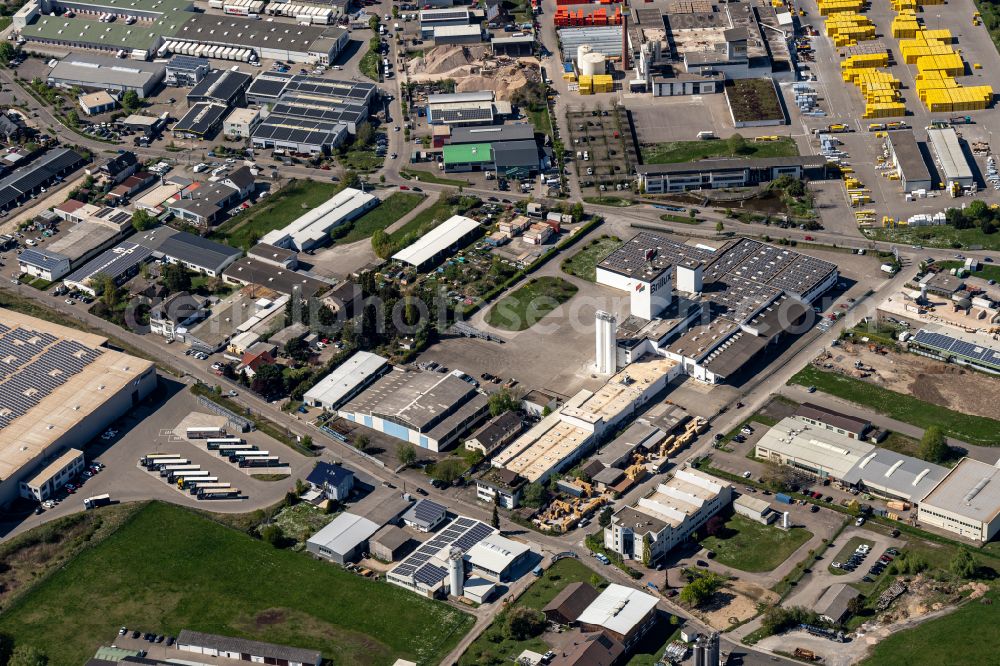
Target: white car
(860, 521)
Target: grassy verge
(391, 209)
(262, 424)
(369, 61)
(528, 305)
(363, 622)
(494, 646)
(583, 264)
(972, 429)
(429, 177)
(671, 152)
(617, 202)
(682, 219)
(933, 642)
(275, 212)
(942, 236)
(749, 546)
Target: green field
(525, 307)
(428, 177)
(690, 151)
(972, 429)
(390, 210)
(749, 546)
(986, 271)
(493, 648)
(274, 212)
(583, 264)
(169, 568)
(966, 632)
(941, 236)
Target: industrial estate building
(666, 517)
(439, 241)
(723, 173)
(62, 389)
(244, 649)
(312, 228)
(98, 72)
(626, 614)
(908, 161)
(347, 380)
(26, 182)
(966, 501)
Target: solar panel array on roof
(968, 350)
(114, 262)
(426, 510)
(463, 115)
(423, 566)
(201, 118)
(32, 365)
(29, 178)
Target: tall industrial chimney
(625, 52)
(606, 333)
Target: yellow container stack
(905, 24)
(603, 83)
(586, 84)
(950, 64)
(904, 5)
(851, 67)
(950, 100)
(830, 7)
(848, 28)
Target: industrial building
(334, 482)
(267, 40)
(186, 71)
(240, 123)
(497, 558)
(193, 252)
(966, 501)
(249, 271)
(244, 649)
(104, 73)
(834, 604)
(513, 47)
(120, 264)
(500, 486)
(343, 539)
(63, 388)
(312, 228)
(97, 102)
(202, 121)
(425, 515)
(347, 380)
(437, 565)
(566, 606)
(955, 169)
(26, 182)
(428, 409)
(205, 204)
(94, 229)
(953, 349)
(457, 34)
(461, 109)
(755, 509)
(854, 427)
(50, 480)
(624, 613)
(668, 516)
(49, 266)
(908, 161)
(725, 173)
(450, 235)
(390, 544)
(227, 87)
(734, 300)
(495, 434)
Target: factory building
(25, 182)
(202, 121)
(966, 501)
(725, 173)
(186, 71)
(95, 72)
(49, 266)
(427, 409)
(624, 613)
(243, 649)
(461, 109)
(347, 380)
(193, 252)
(63, 389)
(955, 169)
(266, 40)
(668, 516)
(343, 539)
(453, 233)
(226, 87)
(120, 264)
(908, 161)
(312, 228)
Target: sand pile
(441, 60)
(504, 82)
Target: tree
(406, 454)
(576, 211)
(495, 517)
(131, 101)
(362, 442)
(448, 470)
(855, 605)
(715, 526)
(523, 623)
(307, 443)
(364, 135)
(176, 278)
(502, 401)
(533, 495)
(268, 380)
(272, 534)
(604, 517)
(700, 589)
(736, 144)
(297, 349)
(106, 286)
(963, 565)
(142, 220)
(719, 227)
(7, 52)
(647, 549)
(27, 655)
(933, 448)
(373, 23)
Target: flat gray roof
(412, 397)
(971, 490)
(247, 646)
(702, 166)
(236, 31)
(100, 71)
(908, 155)
(903, 476)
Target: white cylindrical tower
(456, 572)
(591, 63)
(784, 520)
(606, 333)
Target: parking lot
(605, 155)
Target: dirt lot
(736, 603)
(932, 381)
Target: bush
(522, 623)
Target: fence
(235, 419)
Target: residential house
(179, 310)
(497, 433)
(333, 481)
(121, 166)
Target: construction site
(473, 69)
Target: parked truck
(960, 120)
(783, 498)
(96, 501)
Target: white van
(706, 135)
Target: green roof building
(467, 157)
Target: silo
(456, 572)
(591, 63)
(581, 51)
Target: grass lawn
(968, 428)
(485, 650)
(369, 61)
(169, 568)
(391, 209)
(750, 546)
(986, 271)
(583, 264)
(528, 305)
(845, 553)
(275, 212)
(429, 177)
(934, 642)
(690, 151)
(943, 236)
(360, 159)
(540, 120)
(426, 219)
(753, 100)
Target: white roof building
(311, 229)
(966, 502)
(437, 240)
(816, 450)
(496, 556)
(346, 380)
(343, 539)
(619, 609)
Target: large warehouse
(272, 40)
(347, 380)
(428, 409)
(312, 229)
(61, 388)
(966, 501)
(104, 73)
(432, 246)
